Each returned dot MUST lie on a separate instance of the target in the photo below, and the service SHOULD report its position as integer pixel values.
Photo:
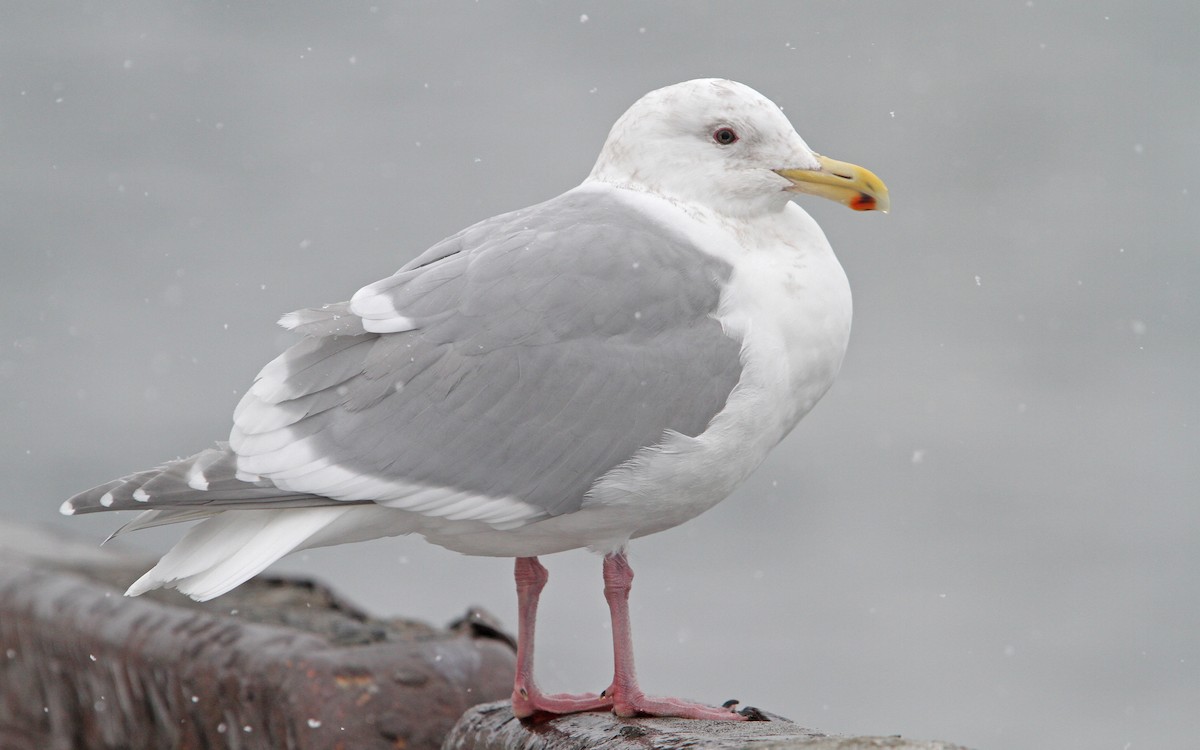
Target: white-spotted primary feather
(603, 365)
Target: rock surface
(274, 664)
(493, 727)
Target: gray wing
(497, 376)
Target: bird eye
(725, 136)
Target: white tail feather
(232, 547)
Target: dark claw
(730, 703)
(753, 714)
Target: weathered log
(274, 664)
(492, 726)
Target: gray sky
(986, 533)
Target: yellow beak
(848, 184)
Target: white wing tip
(378, 309)
(196, 479)
(359, 300)
(290, 320)
(392, 324)
(67, 509)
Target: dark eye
(725, 136)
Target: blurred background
(987, 532)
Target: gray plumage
(545, 347)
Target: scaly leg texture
(527, 699)
(627, 698)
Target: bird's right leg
(527, 699)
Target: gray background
(987, 532)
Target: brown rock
(274, 664)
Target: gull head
(723, 146)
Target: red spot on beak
(862, 202)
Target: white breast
(788, 300)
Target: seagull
(579, 373)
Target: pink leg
(527, 699)
(627, 698)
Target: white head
(722, 145)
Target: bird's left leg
(627, 698)
(527, 699)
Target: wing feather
(548, 346)
(494, 378)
